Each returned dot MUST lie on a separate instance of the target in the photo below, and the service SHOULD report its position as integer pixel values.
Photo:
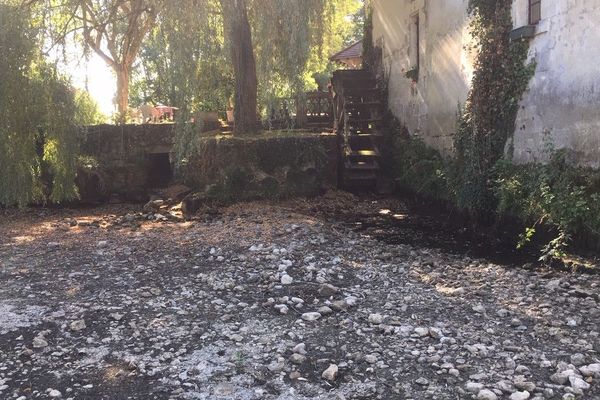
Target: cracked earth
(278, 301)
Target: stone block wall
(124, 154)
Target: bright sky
(101, 81)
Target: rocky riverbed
(278, 301)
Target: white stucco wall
(562, 101)
(428, 108)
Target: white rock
(577, 359)
(325, 310)
(54, 394)
(116, 316)
(578, 383)
(282, 308)
(422, 332)
(562, 377)
(375, 319)
(286, 280)
(297, 358)
(479, 309)
(330, 373)
(435, 333)
(78, 325)
(300, 348)
(371, 358)
(351, 301)
(474, 387)
(311, 316)
(590, 370)
(39, 341)
(486, 394)
(520, 395)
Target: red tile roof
(352, 51)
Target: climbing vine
(481, 178)
(487, 120)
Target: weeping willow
(38, 137)
(185, 60)
(293, 40)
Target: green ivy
(481, 178)
(487, 120)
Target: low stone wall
(282, 163)
(267, 165)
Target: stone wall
(124, 154)
(267, 165)
(429, 106)
(560, 106)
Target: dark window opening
(415, 42)
(535, 11)
(160, 172)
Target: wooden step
(371, 165)
(360, 181)
(365, 141)
(358, 83)
(361, 154)
(364, 122)
(351, 74)
(361, 93)
(363, 104)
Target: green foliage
(185, 61)
(38, 139)
(87, 111)
(481, 178)
(418, 167)
(488, 118)
(368, 48)
(293, 41)
(412, 74)
(555, 194)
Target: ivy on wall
(480, 178)
(487, 120)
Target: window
(535, 11)
(414, 42)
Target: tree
(113, 29)
(38, 135)
(200, 53)
(183, 61)
(237, 28)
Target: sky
(101, 81)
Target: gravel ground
(276, 301)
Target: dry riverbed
(276, 301)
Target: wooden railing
(311, 110)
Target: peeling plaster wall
(562, 104)
(428, 107)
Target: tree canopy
(39, 113)
(199, 55)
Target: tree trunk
(238, 30)
(122, 92)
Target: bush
(555, 194)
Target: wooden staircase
(358, 117)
